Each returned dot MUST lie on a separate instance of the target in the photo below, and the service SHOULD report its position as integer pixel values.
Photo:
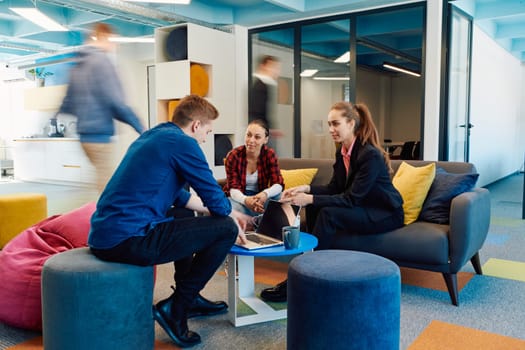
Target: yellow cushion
(19, 211)
(413, 184)
(298, 177)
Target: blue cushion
(445, 187)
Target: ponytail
(365, 129)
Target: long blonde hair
(364, 129)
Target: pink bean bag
(22, 258)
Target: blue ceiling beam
(203, 12)
(70, 38)
(15, 52)
(510, 30)
(390, 22)
(518, 45)
(499, 9)
(83, 18)
(6, 28)
(292, 5)
(263, 14)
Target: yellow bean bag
(19, 211)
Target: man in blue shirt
(134, 220)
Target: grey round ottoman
(90, 304)
(342, 299)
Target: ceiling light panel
(40, 19)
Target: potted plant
(39, 75)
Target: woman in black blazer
(360, 197)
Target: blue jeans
(196, 245)
(244, 209)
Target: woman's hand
(301, 199)
(292, 192)
(262, 197)
(253, 203)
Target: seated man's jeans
(197, 246)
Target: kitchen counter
(46, 139)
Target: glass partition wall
(278, 43)
(325, 78)
(343, 58)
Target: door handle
(465, 126)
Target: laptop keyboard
(258, 239)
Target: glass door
(325, 79)
(279, 103)
(458, 121)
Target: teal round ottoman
(90, 304)
(343, 299)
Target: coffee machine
(55, 129)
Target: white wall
(132, 62)
(432, 74)
(496, 110)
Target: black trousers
(324, 222)
(196, 245)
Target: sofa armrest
(469, 225)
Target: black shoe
(172, 317)
(204, 307)
(277, 293)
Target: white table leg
(244, 287)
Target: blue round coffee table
(241, 281)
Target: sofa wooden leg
(451, 279)
(475, 262)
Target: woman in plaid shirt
(252, 171)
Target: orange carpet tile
(445, 336)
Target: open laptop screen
(275, 217)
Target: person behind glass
(360, 198)
(252, 171)
(134, 223)
(95, 96)
(263, 98)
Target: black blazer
(368, 184)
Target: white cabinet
(51, 160)
(29, 160)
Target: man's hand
(241, 220)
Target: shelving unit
(177, 49)
(47, 98)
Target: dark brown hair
(365, 129)
(262, 124)
(193, 107)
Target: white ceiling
(503, 20)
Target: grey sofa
(423, 245)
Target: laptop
(268, 233)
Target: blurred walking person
(96, 97)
